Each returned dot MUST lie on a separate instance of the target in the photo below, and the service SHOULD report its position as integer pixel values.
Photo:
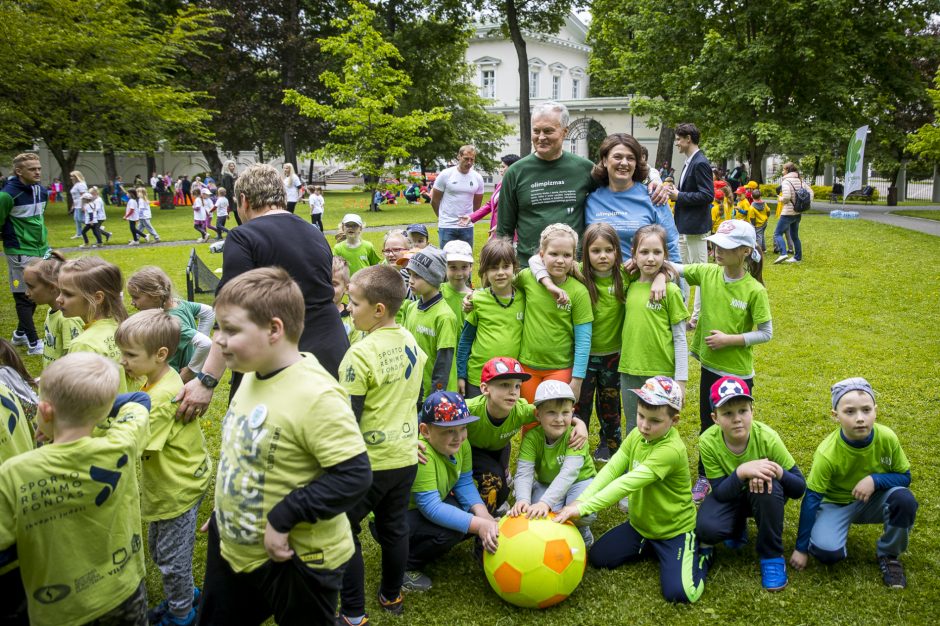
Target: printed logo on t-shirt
(564, 307)
(10, 406)
(520, 316)
(108, 477)
(350, 374)
(412, 360)
(241, 479)
(738, 304)
(51, 594)
(373, 437)
(424, 330)
(885, 460)
(654, 306)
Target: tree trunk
(665, 144)
(151, 164)
(110, 164)
(290, 146)
(211, 152)
(755, 156)
(291, 35)
(522, 56)
(66, 159)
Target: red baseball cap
(503, 367)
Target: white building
(557, 71)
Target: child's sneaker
(146, 238)
(395, 607)
(169, 619)
(624, 504)
(415, 581)
(157, 239)
(36, 347)
(781, 259)
(892, 572)
(156, 614)
(700, 490)
(773, 574)
(342, 620)
(737, 542)
(19, 339)
(83, 245)
(602, 454)
(133, 243)
(587, 535)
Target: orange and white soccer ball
(538, 563)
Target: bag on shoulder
(802, 199)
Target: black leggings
(25, 309)
(94, 228)
(135, 233)
(316, 220)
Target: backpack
(802, 199)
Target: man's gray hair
(552, 107)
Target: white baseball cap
(734, 234)
(457, 250)
(353, 218)
(553, 390)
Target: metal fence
(921, 189)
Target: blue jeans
(789, 223)
(450, 234)
(895, 508)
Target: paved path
(883, 215)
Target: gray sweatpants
(146, 225)
(171, 547)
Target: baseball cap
(728, 388)
(446, 408)
(352, 218)
(553, 390)
(733, 234)
(430, 265)
(850, 384)
(502, 367)
(87, 196)
(421, 229)
(660, 391)
(741, 189)
(719, 195)
(751, 184)
(205, 191)
(456, 250)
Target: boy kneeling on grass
(292, 462)
(860, 475)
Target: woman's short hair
(599, 172)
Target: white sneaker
(35, 348)
(19, 339)
(146, 238)
(75, 237)
(624, 505)
(133, 243)
(781, 258)
(84, 245)
(792, 260)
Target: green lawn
(837, 314)
(923, 214)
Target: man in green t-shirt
(860, 475)
(751, 474)
(652, 469)
(549, 186)
(550, 473)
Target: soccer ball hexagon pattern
(538, 563)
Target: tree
(364, 129)
(86, 75)
(926, 141)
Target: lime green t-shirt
(733, 308)
(73, 511)
(359, 257)
(441, 472)
(98, 337)
(548, 332)
(175, 464)
(660, 510)
(59, 332)
(16, 437)
(499, 329)
(608, 317)
(647, 345)
(278, 435)
(186, 312)
(837, 466)
(486, 435)
(454, 300)
(549, 457)
(386, 366)
(435, 328)
(407, 308)
(763, 443)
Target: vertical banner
(855, 161)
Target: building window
(556, 87)
(573, 146)
(488, 84)
(575, 88)
(533, 84)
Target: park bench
(865, 194)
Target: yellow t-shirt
(278, 435)
(73, 512)
(175, 465)
(386, 367)
(60, 331)
(16, 437)
(98, 337)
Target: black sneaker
(415, 581)
(892, 572)
(395, 607)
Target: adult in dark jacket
(271, 236)
(229, 174)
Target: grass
(925, 214)
(837, 314)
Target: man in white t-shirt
(457, 192)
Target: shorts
(16, 264)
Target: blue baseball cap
(420, 229)
(446, 408)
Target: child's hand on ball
(538, 510)
(489, 535)
(519, 508)
(570, 512)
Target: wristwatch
(208, 380)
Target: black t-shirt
(285, 240)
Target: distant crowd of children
(414, 442)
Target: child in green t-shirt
(358, 252)
(445, 505)
(459, 257)
(860, 475)
(431, 321)
(42, 287)
(77, 498)
(382, 374)
(175, 465)
(418, 236)
(550, 473)
(752, 474)
(292, 462)
(652, 469)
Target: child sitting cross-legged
(860, 475)
(80, 552)
(550, 473)
(651, 467)
(445, 505)
(752, 474)
(175, 465)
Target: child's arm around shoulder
(538, 271)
